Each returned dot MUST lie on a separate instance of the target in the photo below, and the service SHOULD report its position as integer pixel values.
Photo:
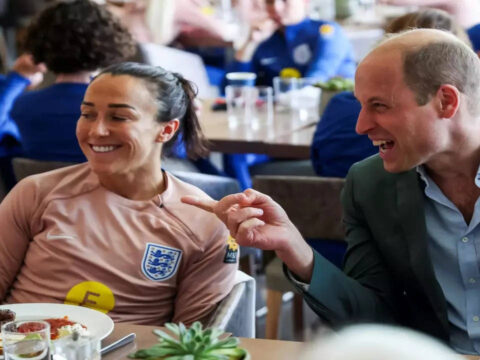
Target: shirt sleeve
(208, 279)
(11, 86)
(333, 55)
(16, 211)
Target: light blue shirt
(454, 248)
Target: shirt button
(476, 318)
(465, 239)
(472, 281)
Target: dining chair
(236, 312)
(313, 205)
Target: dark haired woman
(112, 233)
(74, 39)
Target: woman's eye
(118, 118)
(87, 116)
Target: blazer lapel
(410, 206)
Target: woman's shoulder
(59, 183)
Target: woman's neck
(143, 186)
(82, 77)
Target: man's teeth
(103, 148)
(379, 142)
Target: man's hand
(25, 66)
(254, 219)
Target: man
(290, 44)
(411, 213)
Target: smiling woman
(111, 234)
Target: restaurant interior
(260, 117)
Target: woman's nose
(99, 127)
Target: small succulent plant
(194, 343)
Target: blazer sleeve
(363, 291)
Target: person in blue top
(336, 146)
(74, 39)
(288, 43)
(24, 73)
(288, 39)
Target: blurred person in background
(112, 232)
(74, 39)
(335, 145)
(24, 73)
(377, 342)
(465, 12)
(289, 43)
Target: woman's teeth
(103, 148)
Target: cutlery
(119, 343)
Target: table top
(258, 348)
(285, 136)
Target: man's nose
(364, 123)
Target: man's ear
(448, 100)
(167, 130)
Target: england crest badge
(160, 262)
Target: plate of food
(64, 319)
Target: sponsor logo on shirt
(160, 262)
(231, 254)
(302, 54)
(268, 60)
(91, 294)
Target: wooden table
(258, 348)
(286, 136)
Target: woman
(112, 233)
(74, 39)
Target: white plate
(98, 324)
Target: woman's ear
(449, 100)
(167, 130)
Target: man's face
(286, 12)
(407, 134)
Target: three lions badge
(160, 262)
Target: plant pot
(325, 98)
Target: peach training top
(64, 238)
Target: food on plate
(6, 316)
(59, 327)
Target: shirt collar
(426, 179)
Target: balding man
(411, 213)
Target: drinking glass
(240, 104)
(26, 340)
(263, 106)
(75, 347)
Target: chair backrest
(312, 203)
(236, 312)
(23, 167)
(190, 65)
(215, 186)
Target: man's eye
(379, 107)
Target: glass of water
(26, 340)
